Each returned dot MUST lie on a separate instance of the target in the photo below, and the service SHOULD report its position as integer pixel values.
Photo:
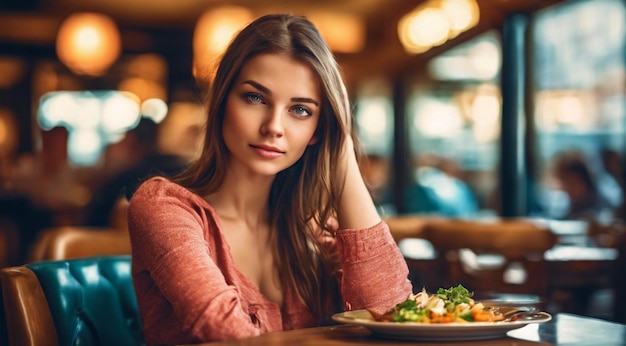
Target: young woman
(273, 225)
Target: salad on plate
(447, 305)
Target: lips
(267, 148)
(267, 151)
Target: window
(579, 115)
(453, 119)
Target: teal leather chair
(87, 301)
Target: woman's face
(272, 113)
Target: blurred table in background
(581, 264)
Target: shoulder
(159, 191)
(160, 204)
(157, 187)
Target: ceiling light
(88, 43)
(343, 33)
(214, 31)
(434, 22)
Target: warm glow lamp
(88, 43)
(463, 15)
(214, 31)
(344, 33)
(8, 132)
(436, 21)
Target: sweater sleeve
(168, 239)
(375, 274)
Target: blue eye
(253, 98)
(302, 111)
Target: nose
(273, 123)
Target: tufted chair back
(87, 301)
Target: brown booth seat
(78, 242)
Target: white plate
(424, 331)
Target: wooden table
(564, 329)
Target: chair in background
(496, 259)
(583, 268)
(89, 301)
(406, 226)
(79, 242)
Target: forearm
(356, 207)
(374, 274)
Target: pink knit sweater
(189, 289)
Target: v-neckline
(241, 276)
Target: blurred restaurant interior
(472, 110)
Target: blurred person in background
(438, 189)
(273, 227)
(590, 194)
(129, 162)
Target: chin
(268, 170)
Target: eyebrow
(267, 91)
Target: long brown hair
(303, 197)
